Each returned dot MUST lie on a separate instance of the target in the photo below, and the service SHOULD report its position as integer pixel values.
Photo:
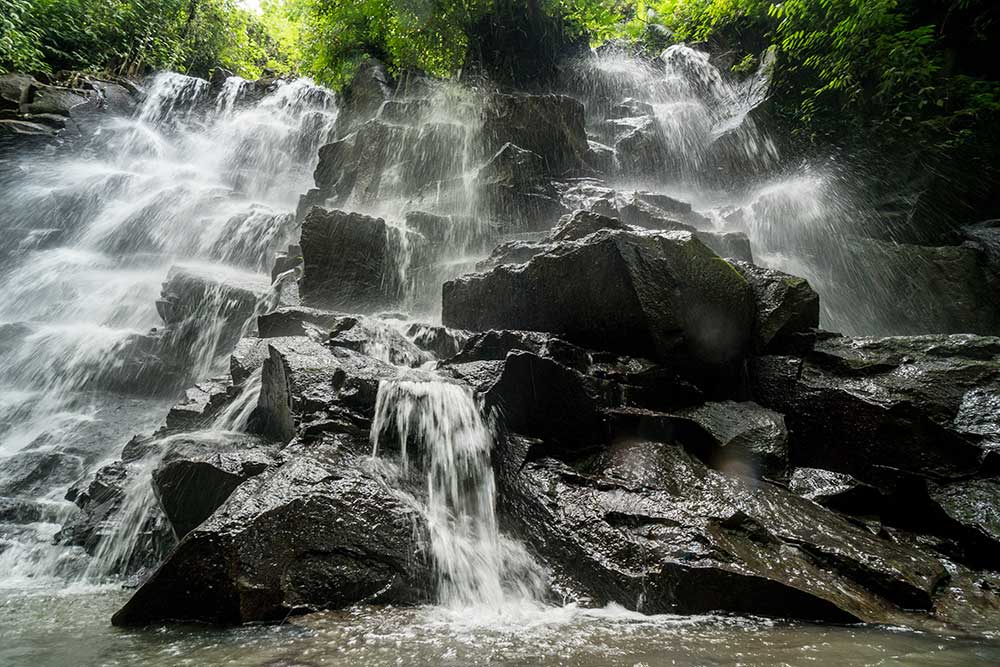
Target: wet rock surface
(319, 532)
(660, 295)
(670, 430)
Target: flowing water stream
(206, 181)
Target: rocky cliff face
(672, 431)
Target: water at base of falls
(438, 432)
(47, 630)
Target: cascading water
(440, 433)
(684, 129)
(197, 189)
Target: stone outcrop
(349, 261)
(663, 295)
(319, 532)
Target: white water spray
(439, 430)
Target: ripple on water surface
(46, 629)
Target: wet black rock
(836, 490)
(661, 295)
(306, 383)
(32, 473)
(601, 157)
(513, 166)
(927, 289)
(298, 321)
(364, 95)
(377, 338)
(194, 295)
(739, 438)
(318, 532)
(630, 108)
(551, 126)
(440, 341)
(641, 147)
(647, 526)
(102, 502)
(786, 306)
(730, 245)
(862, 406)
(198, 473)
(520, 209)
(541, 398)
(248, 356)
(350, 261)
(582, 223)
(199, 405)
(971, 509)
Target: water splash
(438, 430)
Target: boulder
(440, 341)
(728, 245)
(298, 321)
(641, 147)
(513, 166)
(198, 473)
(379, 339)
(836, 490)
(199, 405)
(351, 261)
(918, 405)
(520, 209)
(195, 293)
(971, 509)
(110, 499)
(582, 223)
(630, 108)
(33, 473)
(248, 357)
(922, 290)
(786, 306)
(43, 99)
(318, 532)
(736, 437)
(551, 126)
(541, 398)
(362, 98)
(304, 382)
(601, 157)
(645, 525)
(660, 295)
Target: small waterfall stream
(440, 434)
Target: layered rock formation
(671, 430)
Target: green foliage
(18, 38)
(429, 35)
(132, 36)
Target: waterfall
(440, 434)
(138, 511)
(200, 183)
